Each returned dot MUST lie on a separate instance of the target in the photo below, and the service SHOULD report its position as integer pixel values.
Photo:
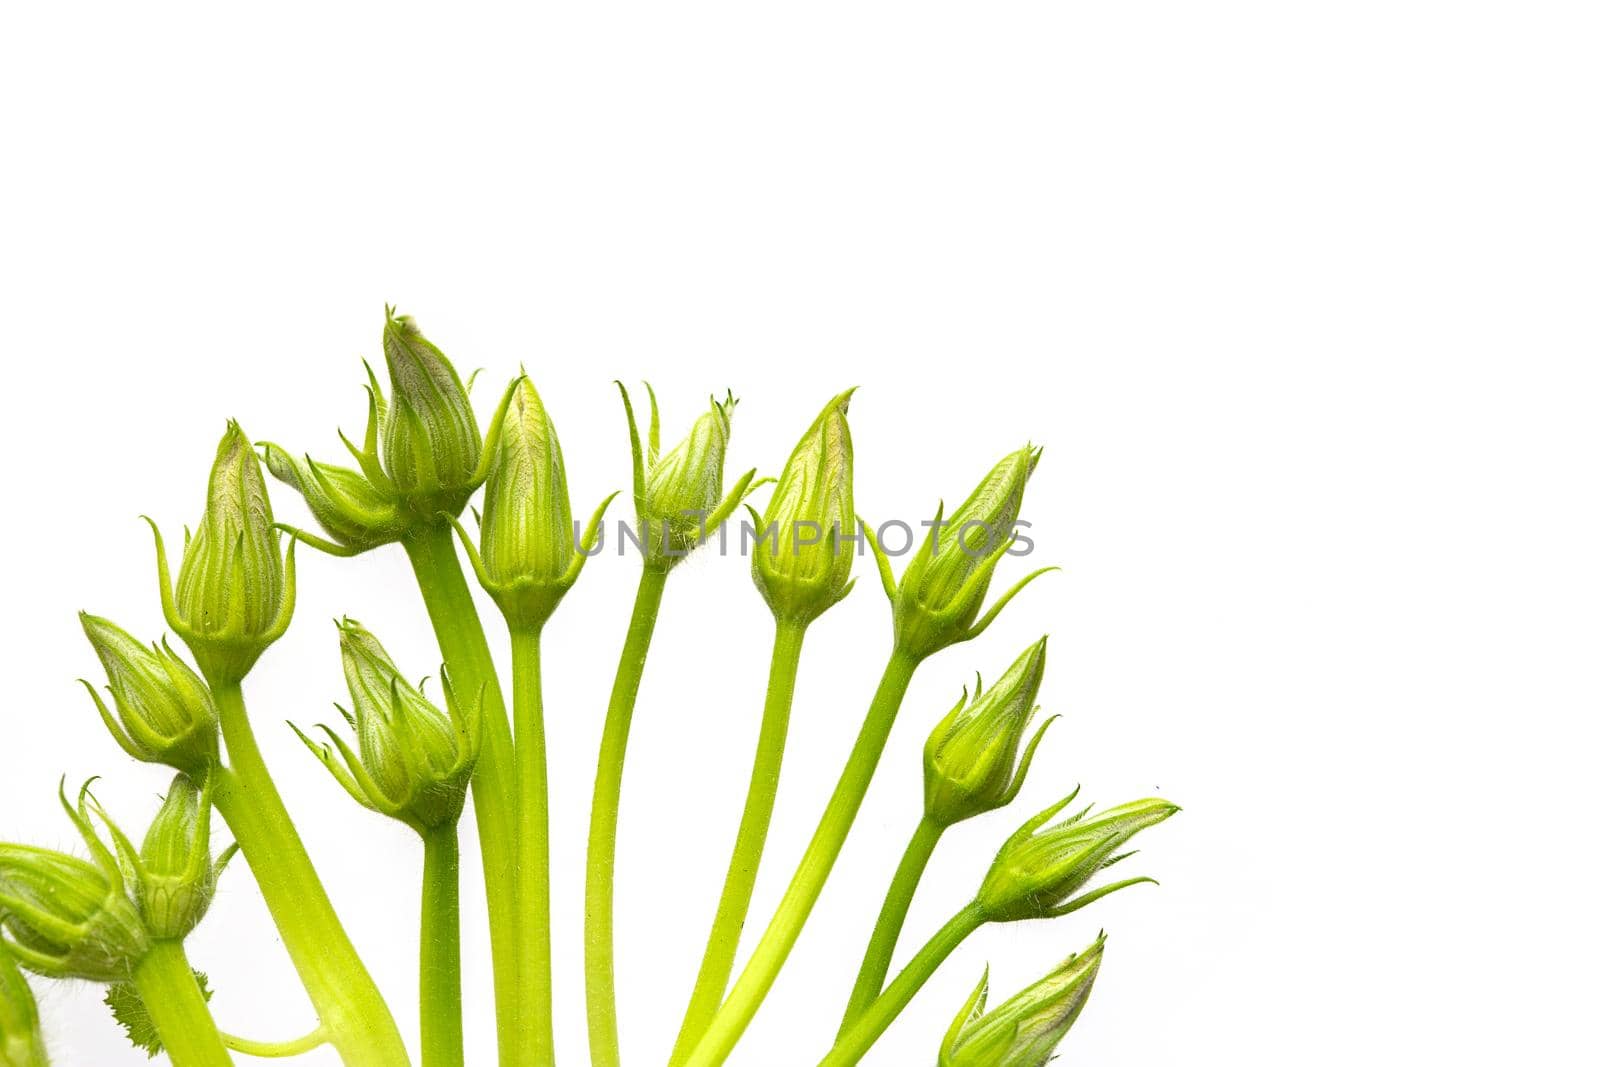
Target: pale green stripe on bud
(431, 444)
(1026, 1030)
(803, 559)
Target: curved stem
(737, 888)
(537, 1034)
(456, 626)
(272, 1050)
(865, 1031)
(891, 920)
(806, 886)
(599, 890)
(440, 962)
(353, 1013)
(167, 985)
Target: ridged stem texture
(439, 979)
(536, 1041)
(177, 1008)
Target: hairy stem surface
(440, 961)
(891, 920)
(167, 985)
(806, 886)
(599, 890)
(733, 909)
(354, 1016)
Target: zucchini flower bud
(969, 765)
(235, 593)
(937, 600)
(173, 876)
(805, 567)
(1025, 1030)
(412, 762)
(678, 497)
(70, 918)
(530, 555)
(421, 457)
(1038, 873)
(165, 713)
(21, 1044)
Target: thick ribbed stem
(440, 960)
(536, 1046)
(167, 985)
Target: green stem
(177, 1008)
(865, 1031)
(272, 1050)
(440, 977)
(886, 934)
(466, 654)
(352, 1011)
(806, 886)
(537, 1036)
(737, 888)
(599, 890)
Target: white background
(1298, 297)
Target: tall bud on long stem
(802, 565)
(235, 590)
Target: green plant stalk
(806, 886)
(599, 889)
(353, 1013)
(537, 1036)
(891, 920)
(177, 1008)
(737, 888)
(271, 1050)
(440, 958)
(865, 1031)
(459, 632)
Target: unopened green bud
(1025, 1030)
(21, 1043)
(173, 876)
(970, 763)
(412, 761)
(937, 600)
(235, 590)
(530, 555)
(1039, 872)
(802, 565)
(67, 917)
(164, 711)
(678, 497)
(430, 438)
(420, 461)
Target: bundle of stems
(122, 917)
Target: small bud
(678, 497)
(1038, 872)
(530, 555)
(421, 458)
(235, 592)
(412, 761)
(21, 1043)
(165, 713)
(67, 917)
(937, 600)
(431, 444)
(802, 566)
(173, 876)
(970, 762)
(1025, 1030)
